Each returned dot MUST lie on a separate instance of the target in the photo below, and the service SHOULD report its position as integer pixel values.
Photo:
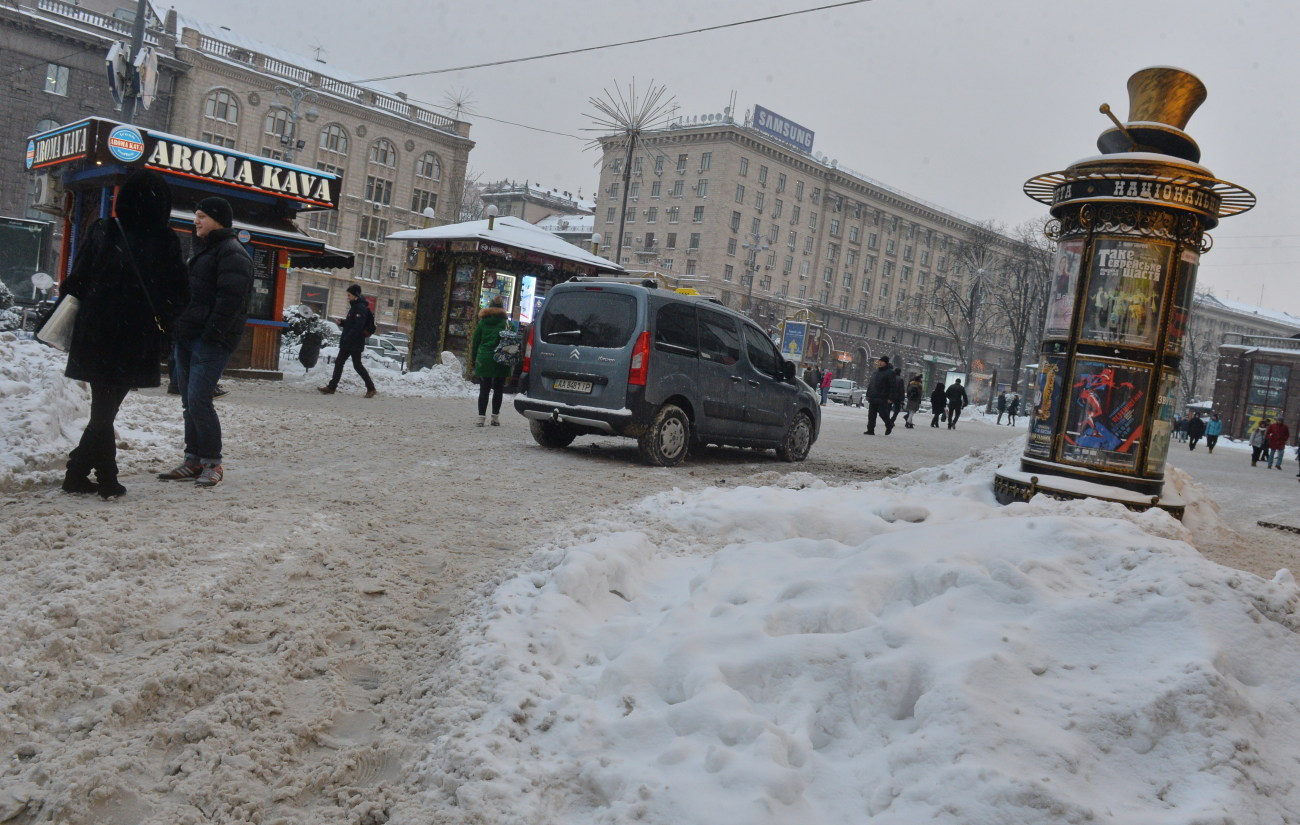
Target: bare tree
(471, 197)
(1019, 293)
(1200, 355)
(959, 307)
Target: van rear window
(589, 319)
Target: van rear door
(584, 340)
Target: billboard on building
(786, 131)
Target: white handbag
(57, 329)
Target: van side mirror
(787, 370)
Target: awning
(303, 249)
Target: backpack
(370, 323)
(510, 346)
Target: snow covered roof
(572, 224)
(510, 231)
(235, 38)
(1276, 316)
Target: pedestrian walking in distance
(1013, 408)
(491, 375)
(938, 402)
(1195, 430)
(957, 399)
(915, 389)
(1258, 443)
(827, 377)
(1213, 429)
(1002, 405)
(207, 332)
(129, 275)
(880, 394)
(358, 325)
(897, 399)
(1276, 437)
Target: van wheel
(668, 438)
(798, 439)
(550, 434)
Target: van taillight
(528, 349)
(636, 373)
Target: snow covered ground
(388, 615)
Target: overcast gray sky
(957, 103)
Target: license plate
(572, 386)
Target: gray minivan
(617, 356)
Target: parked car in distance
(620, 356)
(401, 339)
(382, 347)
(846, 391)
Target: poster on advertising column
(1104, 427)
(1122, 301)
(1162, 423)
(1180, 308)
(1046, 406)
(1065, 278)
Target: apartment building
(402, 165)
(771, 228)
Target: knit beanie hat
(218, 209)
(355, 289)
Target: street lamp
(492, 213)
(596, 238)
(429, 215)
(290, 137)
(757, 243)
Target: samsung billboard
(787, 131)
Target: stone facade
(1255, 380)
(1214, 319)
(772, 230)
(396, 159)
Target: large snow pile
(907, 651)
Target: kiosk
(462, 266)
(84, 162)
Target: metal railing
(1241, 339)
(104, 21)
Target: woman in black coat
(116, 342)
(938, 400)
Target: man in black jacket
(359, 323)
(206, 333)
(880, 395)
(957, 399)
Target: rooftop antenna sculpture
(629, 115)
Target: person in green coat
(491, 375)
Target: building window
(853, 234)
(735, 221)
(794, 215)
(884, 290)
(731, 247)
(276, 126)
(671, 242)
(373, 229)
(706, 160)
(744, 167)
(848, 280)
(690, 266)
(698, 217)
(383, 153)
(678, 188)
(759, 200)
(728, 272)
(634, 190)
(652, 214)
(803, 273)
(798, 190)
(808, 245)
(609, 215)
(379, 190)
(673, 212)
(1268, 383)
(681, 164)
(631, 215)
(887, 269)
(334, 140)
(787, 266)
(755, 225)
(812, 220)
(695, 241)
(792, 239)
(762, 176)
(866, 285)
(906, 274)
(828, 275)
(740, 193)
(422, 199)
(851, 258)
(220, 119)
(702, 188)
(779, 207)
(428, 167)
(656, 188)
(325, 220)
(56, 79)
(872, 241)
(889, 247)
(659, 165)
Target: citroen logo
(574, 355)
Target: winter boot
(106, 466)
(77, 478)
(481, 420)
(496, 420)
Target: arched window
(334, 140)
(46, 125)
(429, 167)
(220, 118)
(275, 128)
(384, 153)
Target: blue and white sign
(793, 335)
(126, 144)
(787, 131)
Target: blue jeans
(198, 367)
(1275, 456)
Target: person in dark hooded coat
(116, 340)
